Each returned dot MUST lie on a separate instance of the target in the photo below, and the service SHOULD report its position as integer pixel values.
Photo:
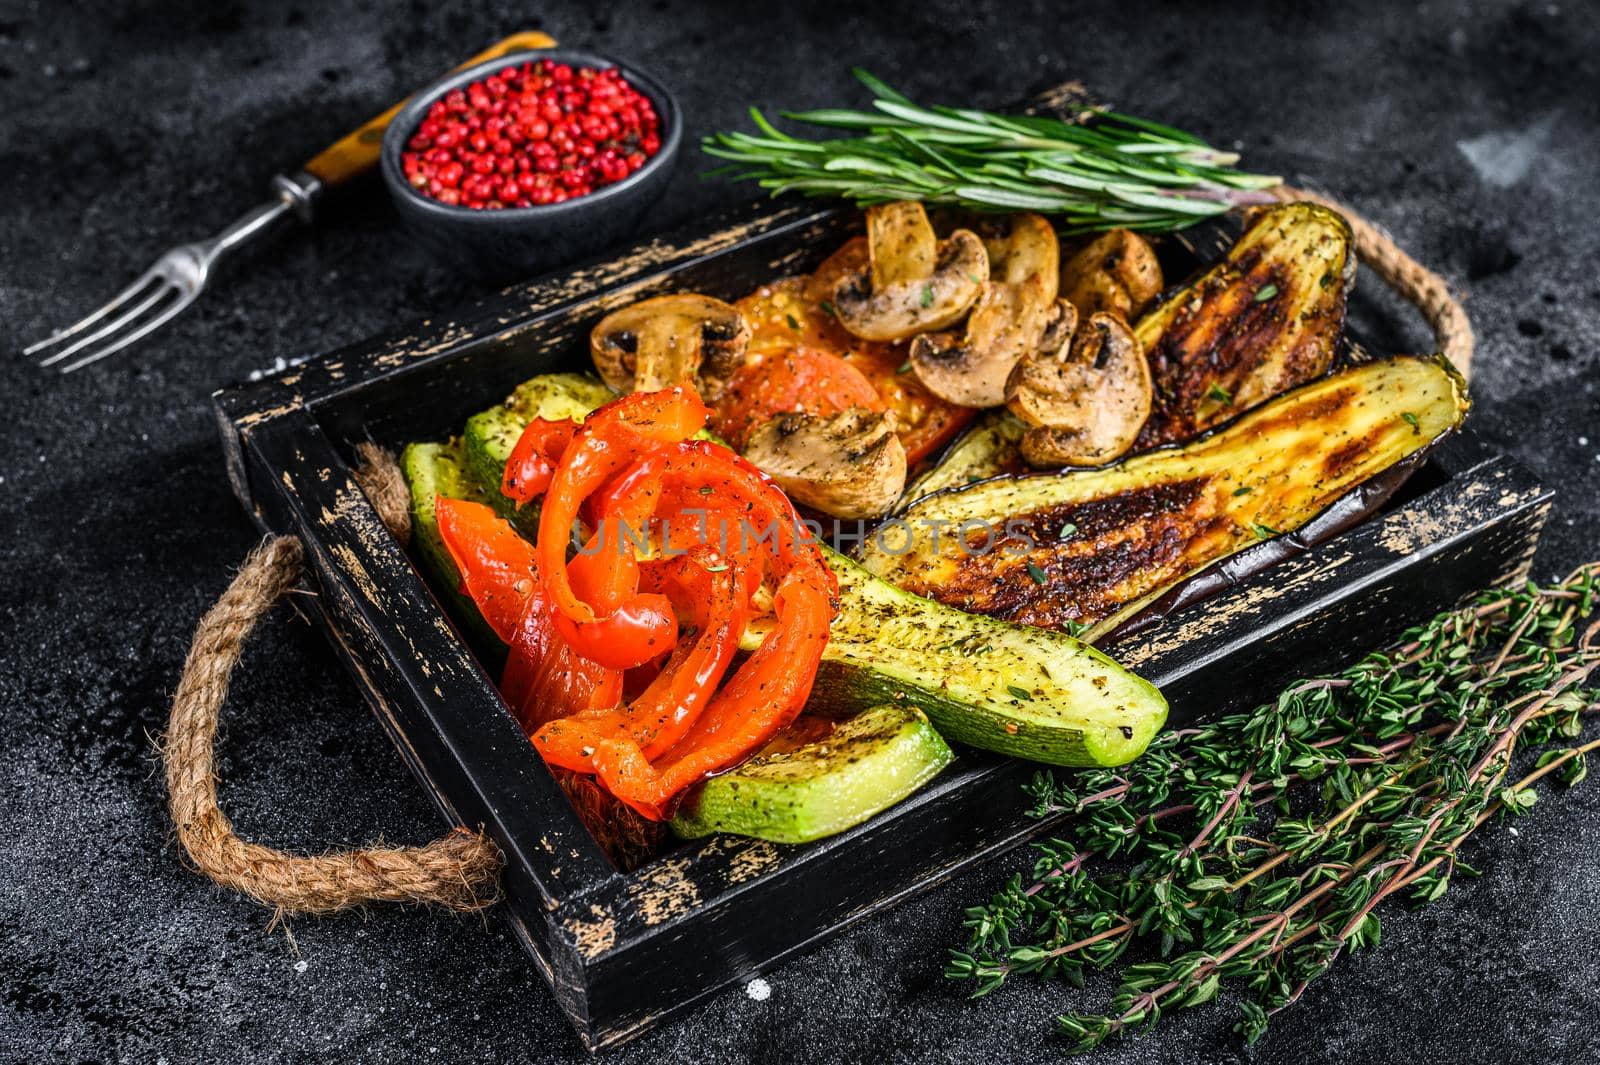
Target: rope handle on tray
(459, 871)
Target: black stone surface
(123, 130)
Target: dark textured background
(124, 129)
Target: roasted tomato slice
(794, 313)
(795, 379)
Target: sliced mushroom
(849, 258)
(1010, 318)
(850, 464)
(1020, 246)
(1116, 272)
(670, 340)
(1086, 400)
(911, 282)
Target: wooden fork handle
(357, 152)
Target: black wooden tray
(622, 951)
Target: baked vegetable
(797, 314)
(970, 367)
(1035, 694)
(1059, 550)
(1265, 319)
(1040, 695)
(674, 601)
(800, 789)
(1116, 273)
(431, 471)
(912, 282)
(678, 339)
(489, 436)
(990, 447)
(850, 464)
(1086, 398)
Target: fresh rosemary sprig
(1115, 170)
(1247, 853)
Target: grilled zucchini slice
(796, 792)
(1265, 319)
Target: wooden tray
(623, 951)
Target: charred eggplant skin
(1094, 547)
(1265, 319)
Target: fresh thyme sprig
(1116, 170)
(1249, 852)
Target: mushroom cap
(1086, 400)
(912, 282)
(971, 369)
(1007, 322)
(1021, 246)
(1117, 272)
(670, 340)
(850, 464)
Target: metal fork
(180, 275)
(172, 282)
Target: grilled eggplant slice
(1093, 548)
(990, 448)
(1265, 319)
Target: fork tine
(183, 300)
(115, 303)
(121, 321)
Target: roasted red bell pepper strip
(544, 678)
(767, 692)
(610, 439)
(533, 459)
(667, 708)
(633, 627)
(744, 508)
(497, 567)
(717, 528)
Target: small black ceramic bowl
(518, 241)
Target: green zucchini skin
(489, 436)
(863, 766)
(1031, 693)
(1026, 692)
(433, 470)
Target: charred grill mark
(1123, 545)
(1099, 517)
(1339, 463)
(1266, 320)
